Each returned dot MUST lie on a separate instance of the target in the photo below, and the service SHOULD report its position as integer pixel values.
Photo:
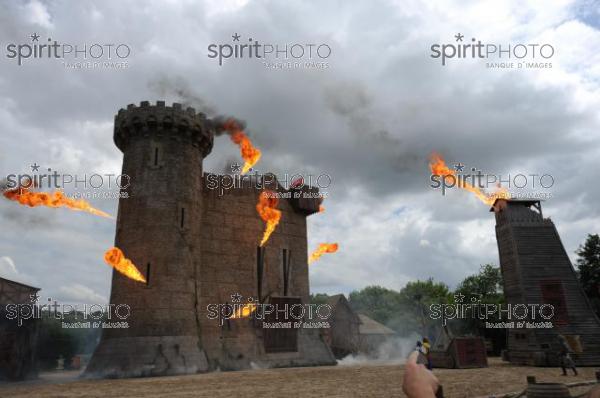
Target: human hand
(418, 382)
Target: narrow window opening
(156, 156)
(182, 217)
(148, 274)
(260, 261)
(286, 255)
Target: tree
(53, 342)
(416, 300)
(406, 311)
(588, 267)
(319, 298)
(376, 302)
(485, 286)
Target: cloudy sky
(370, 120)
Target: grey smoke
(220, 120)
(352, 102)
(393, 350)
(179, 88)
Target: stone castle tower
(536, 270)
(197, 246)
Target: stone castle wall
(195, 247)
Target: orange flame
(439, 167)
(266, 208)
(322, 249)
(116, 259)
(321, 209)
(244, 311)
(249, 152)
(54, 199)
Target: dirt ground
(372, 380)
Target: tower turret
(536, 270)
(158, 228)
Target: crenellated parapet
(163, 122)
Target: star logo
(236, 298)
(459, 37)
(459, 167)
(236, 167)
(35, 37)
(34, 297)
(236, 37)
(35, 166)
(459, 297)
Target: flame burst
(267, 209)
(322, 249)
(438, 167)
(244, 311)
(53, 199)
(249, 152)
(116, 259)
(321, 209)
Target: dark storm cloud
(370, 121)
